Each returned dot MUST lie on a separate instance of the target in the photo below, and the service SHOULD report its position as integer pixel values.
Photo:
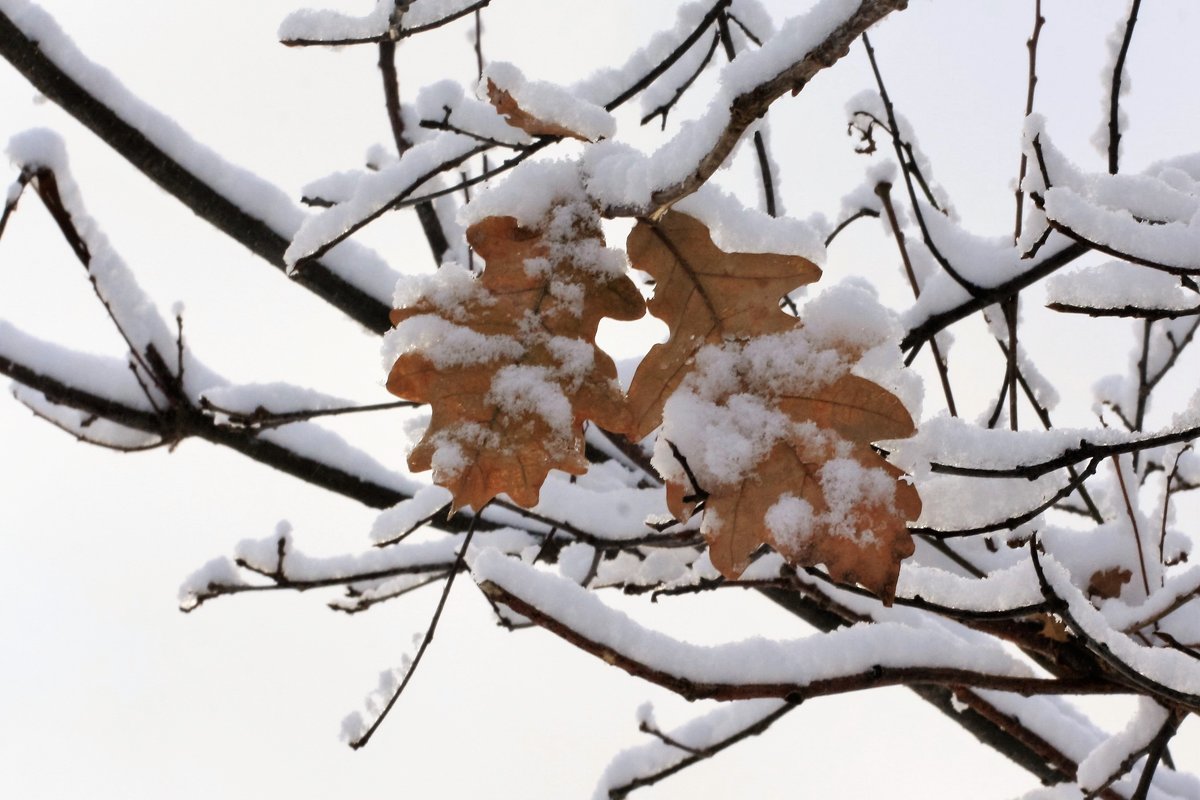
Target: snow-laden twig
(238, 203)
(697, 740)
(847, 660)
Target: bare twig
(1031, 44)
(1134, 312)
(884, 190)
(1137, 536)
(1013, 522)
(664, 108)
(760, 144)
(261, 418)
(841, 226)
(430, 224)
(906, 171)
(1114, 94)
(362, 740)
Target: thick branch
(181, 422)
(750, 105)
(875, 677)
(990, 726)
(191, 190)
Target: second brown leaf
(766, 430)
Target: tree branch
(1114, 94)
(877, 676)
(919, 334)
(190, 189)
(752, 104)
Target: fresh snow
(548, 102)
(799, 662)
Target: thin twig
(841, 226)
(1114, 95)
(1137, 536)
(435, 235)
(760, 144)
(884, 190)
(14, 197)
(478, 45)
(1162, 536)
(362, 740)
(1015, 521)
(1031, 44)
(391, 34)
(261, 418)
(1129, 311)
(905, 170)
(697, 755)
(1043, 416)
(664, 108)
(1009, 308)
(653, 74)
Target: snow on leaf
(508, 361)
(543, 109)
(821, 495)
(703, 294)
(763, 421)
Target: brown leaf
(1053, 628)
(703, 294)
(517, 117)
(819, 494)
(862, 542)
(856, 408)
(1106, 583)
(502, 420)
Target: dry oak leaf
(517, 117)
(1053, 628)
(1106, 583)
(794, 502)
(820, 494)
(704, 295)
(511, 370)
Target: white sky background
(106, 690)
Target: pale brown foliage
(507, 451)
(704, 295)
(858, 411)
(517, 117)
(708, 296)
(1106, 583)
